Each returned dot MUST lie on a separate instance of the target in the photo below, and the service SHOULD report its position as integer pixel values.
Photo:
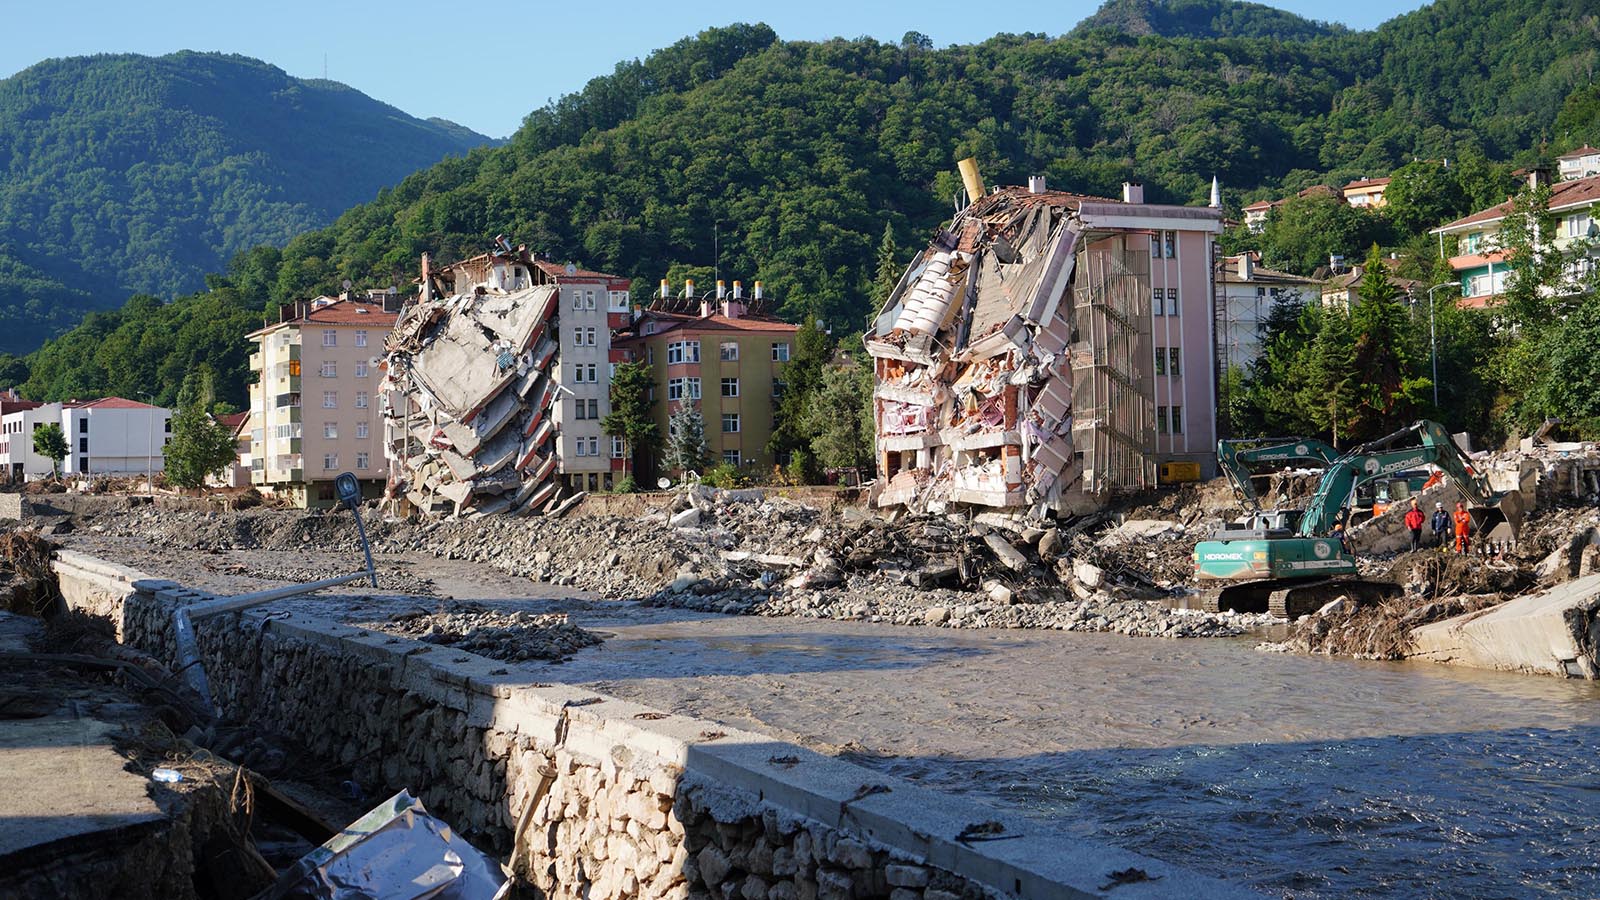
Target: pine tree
(630, 417)
(686, 439)
(1387, 391)
(888, 270)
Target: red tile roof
(11, 406)
(108, 403)
(1263, 204)
(340, 312)
(233, 421)
(1367, 182)
(559, 270)
(1563, 194)
(718, 322)
(1583, 151)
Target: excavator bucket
(1500, 523)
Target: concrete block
(1553, 633)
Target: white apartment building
(1248, 293)
(314, 410)
(591, 305)
(110, 436)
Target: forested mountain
(795, 155)
(130, 173)
(1202, 19)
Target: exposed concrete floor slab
(62, 780)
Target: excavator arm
(1380, 458)
(1236, 457)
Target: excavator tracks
(1293, 598)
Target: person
(1441, 526)
(1414, 520)
(1463, 527)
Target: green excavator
(1237, 457)
(1266, 567)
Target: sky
(486, 65)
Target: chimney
(1537, 176)
(1035, 184)
(738, 290)
(971, 178)
(707, 307)
(666, 290)
(1132, 192)
(722, 290)
(1247, 267)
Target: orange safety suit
(1463, 529)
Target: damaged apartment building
(1046, 351)
(497, 381)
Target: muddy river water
(1301, 777)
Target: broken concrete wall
(1553, 633)
(467, 401)
(595, 797)
(1008, 363)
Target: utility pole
(1433, 339)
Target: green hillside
(122, 174)
(1202, 19)
(796, 154)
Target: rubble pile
(1010, 318)
(513, 636)
(470, 382)
(27, 586)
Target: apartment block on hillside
(1583, 162)
(723, 352)
(1247, 293)
(314, 405)
(1482, 264)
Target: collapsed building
(492, 396)
(1047, 351)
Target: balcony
(255, 362)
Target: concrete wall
(595, 797)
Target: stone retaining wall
(591, 796)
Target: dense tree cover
(1202, 19)
(130, 173)
(797, 156)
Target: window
(294, 368)
(577, 303)
(589, 303)
(617, 301)
(674, 388)
(650, 356)
(361, 369)
(330, 338)
(330, 430)
(594, 442)
(362, 460)
(730, 387)
(361, 399)
(330, 460)
(361, 429)
(731, 457)
(83, 426)
(692, 386)
(1173, 368)
(1578, 225)
(361, 337)
(1177, 420)
(1157, 308)
(780, 352)
(585, 373)
(778, 387)
(594, 409)
(330, 399)
(83, 445)
(1155, 245)
(1170, 239)
(594, 373)
(616, 445)
(683, 352)
(1161, 360)
(578, 410)
(580, 447)
(1172, 301)
(330, 369)
(1161, 420)
(729, 351)
(730, 423)
(586, 409)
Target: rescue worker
(1463, 527)
(1414, 520)
(1441, 526)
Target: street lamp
(1433, 338)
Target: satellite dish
(572, 269)
(663, 482)
(345, 284)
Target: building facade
(1583, 162)
(727, 356)
(592, 305)
(1366, 193)
(110, 436)
(1481, 263)
(1247, 293)
(314, 406)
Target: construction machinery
(1236, 457)
(1266, 567)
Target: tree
(1421, 195)
(50, 443)
(200, 446)
(1388, 392)
(839, 418)
(889, 268)
(686, 439)
(802, 376)
(1303, 232)
(630, 417)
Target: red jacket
(1414, 519)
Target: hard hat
(1439, 505)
